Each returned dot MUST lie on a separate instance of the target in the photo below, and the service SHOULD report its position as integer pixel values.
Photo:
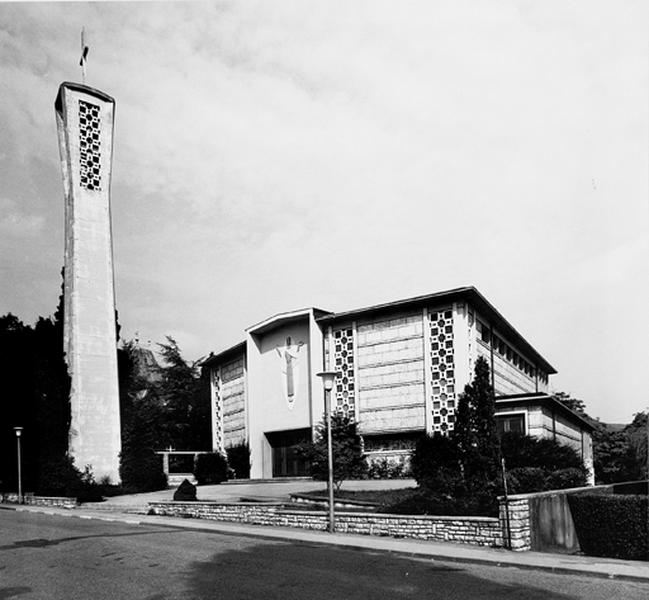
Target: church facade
(401, 368)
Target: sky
(271, 156)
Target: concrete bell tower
(84, 118)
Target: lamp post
(328, 383)
(19, 431)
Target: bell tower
(84, 118)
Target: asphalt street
(67, 558)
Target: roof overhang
(544, 400)
(467, 294)
(285, 318)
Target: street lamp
(328, 383)
(19, 431)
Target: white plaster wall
(268, 409)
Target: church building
(401, 368)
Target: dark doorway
(287, 462)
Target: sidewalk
(442, 551)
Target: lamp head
(18, 431)
(328, 379)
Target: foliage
(425, 502)
(184, 397)
(211, 468)
(347, 449)
(521, 450)
(563, 479)
(186, 492)
(609, 525)
(385, 468)
(36, 389)
(619, 453)
(525, 480)
(475, 430)
(239, 460)
(142, 423)
(435, 464)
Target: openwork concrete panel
(442, 369)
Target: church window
(89, 155)
(344, 360)
(442, 366)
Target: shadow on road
(286, 571)
(12, 592)
(45, 543)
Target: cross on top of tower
(84, 55)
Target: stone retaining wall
(482, 531)
(58, 501)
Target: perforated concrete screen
(89, 145)
(442, 366)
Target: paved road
(68, 558)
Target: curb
(284, 534)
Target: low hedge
(613, 526)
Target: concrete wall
(233, 400)
(391, 373)
(90, 342)
(482, 531)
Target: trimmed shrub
(211, 468)
(422, 502)
(186, 492)
(613, 526)
(525, 480)
(239, 460)
(565, 478)
(520, 450)
(435, 464)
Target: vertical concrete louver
(84, 118)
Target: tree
(185, 399)
(347, 448)
(475, 430)
(141, 418)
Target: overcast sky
(276, 155)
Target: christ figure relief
(288, 354)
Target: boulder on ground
(186, 492)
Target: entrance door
(287, 461)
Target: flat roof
(548, 399)
(467, 294)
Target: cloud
(16, 223)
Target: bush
(525, 480)
(435, 464)
(520, 450)
(385, 468)
(140, 469)
(239, 460)
(211, 468)
(613, 526)
(565, 478)
(423, 502)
